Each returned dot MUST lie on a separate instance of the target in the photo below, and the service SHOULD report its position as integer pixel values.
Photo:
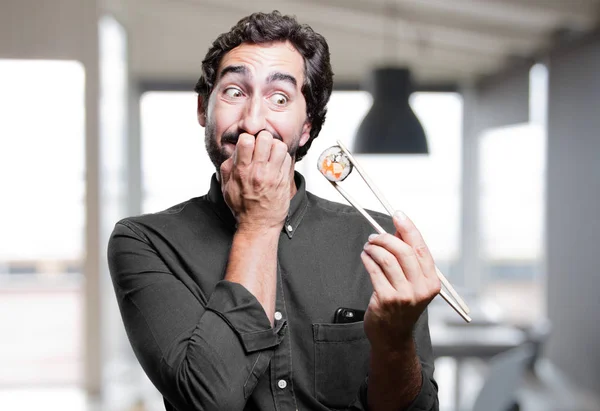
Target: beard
(218, 155)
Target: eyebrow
(278, 76)
(234, 69)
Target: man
(229, 299)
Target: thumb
(225, 169)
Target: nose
(254, 116)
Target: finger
(381, 285)
(262, 147)
(408, 232)
(244, 150)
(421, 287)
(388, 264)
(404, 254)
(278, 153)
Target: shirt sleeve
(427, 399)
(199, 356)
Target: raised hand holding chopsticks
(336, 164)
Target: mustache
(232, 137)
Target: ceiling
(442, 41)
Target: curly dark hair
(260, 28)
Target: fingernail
(365, 246)
(400, 215)
(372, 237)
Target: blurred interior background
(98, 122)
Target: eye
(279, 99)
(233, 92)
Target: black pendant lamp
(390, 126)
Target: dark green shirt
(207, 344)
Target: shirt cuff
(240, 309)
(427, 400)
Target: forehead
(267, 57)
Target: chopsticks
(458, 303)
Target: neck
(293, 188)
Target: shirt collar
(298, 205)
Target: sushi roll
(334, 164)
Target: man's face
(258, 87)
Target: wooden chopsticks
(458, 303)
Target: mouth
(230, 141)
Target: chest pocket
(341, 362)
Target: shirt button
(281, 384)
(278, 317)
(289, 227)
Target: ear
(201, 112)
(305, 136)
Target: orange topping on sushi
(334, 169)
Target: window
(42, 220)
(511, 203)
(175, 166)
